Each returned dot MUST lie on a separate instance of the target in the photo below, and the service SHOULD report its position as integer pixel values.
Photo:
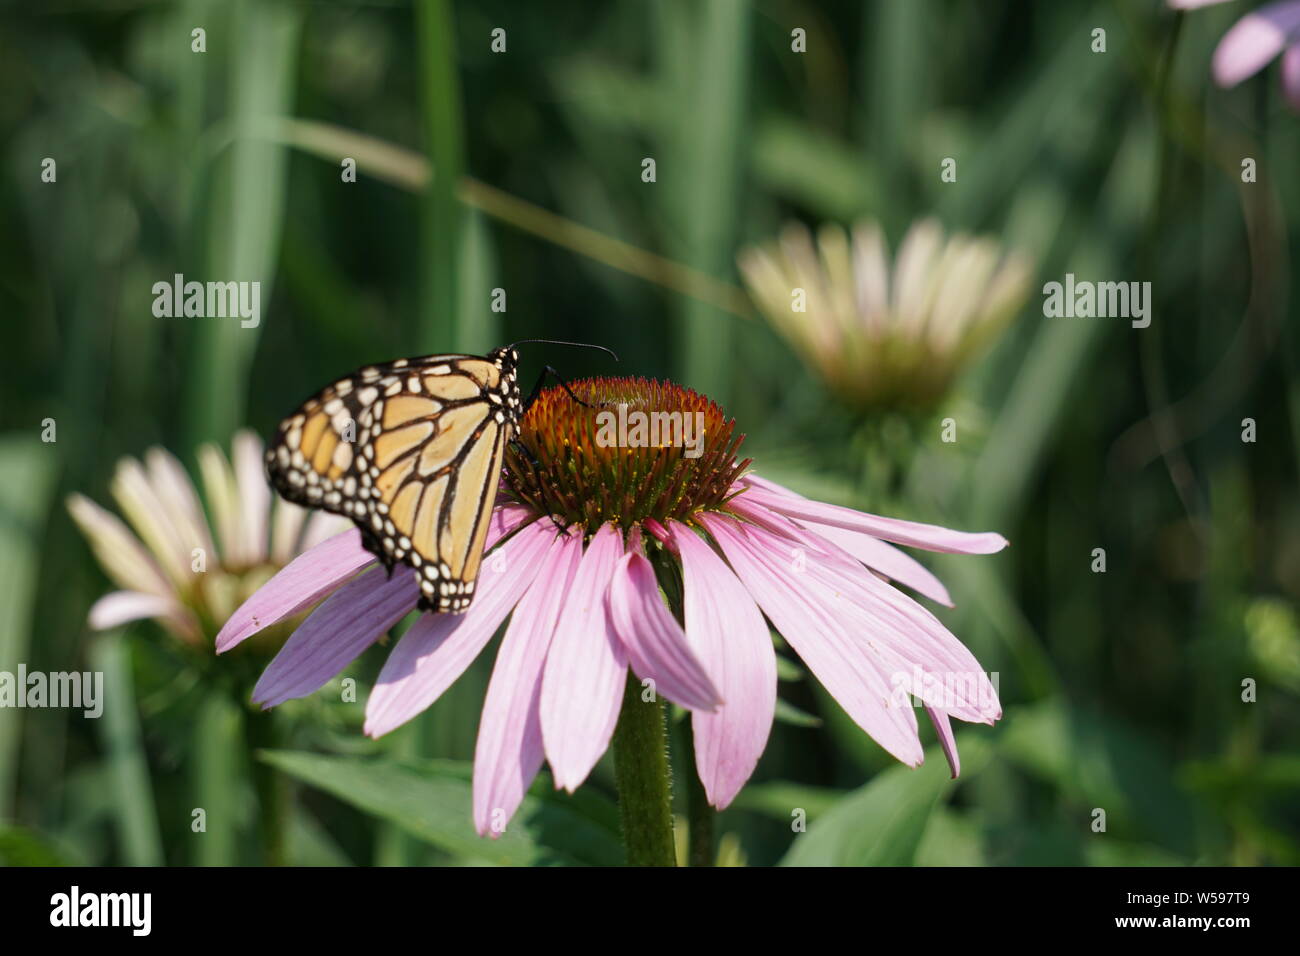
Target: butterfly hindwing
(411, 452)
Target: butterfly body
(411, 451)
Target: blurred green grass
(1121, 691)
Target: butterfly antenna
(580, 345)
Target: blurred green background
(1122, 690)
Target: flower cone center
(636, 449)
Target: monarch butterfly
(411, 451)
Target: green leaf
(1104, 763)
(883, 822)
(951, 839)
(780, 799)
(788, 713)
(22, 847)
(432, 801)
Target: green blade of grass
(133, 802)
(437, 327)
(710, 145)
(216, 775)
(245, 213)
(27, 468)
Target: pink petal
(438, 647)
(881, 557)
(324, 566)
(509, 751)
(947, 741)
(1254, 40)
(884, 558)
(298, 585)
(821, 638)
(586, 669)
(1193, 4)
(656, 645)
(336, 633)
(1291, 75)
(919, 655)
(928, 536)
(122, 607)
(727, 631)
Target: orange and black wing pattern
(411, 451)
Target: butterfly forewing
(411, 451)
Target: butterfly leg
(537, 390)
(533, 463)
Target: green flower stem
(644, 780)
(700, 814)
(274, 796)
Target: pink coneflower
(733, 551)
(1254, 41)
(173, 568)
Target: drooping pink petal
(823, 639)
(916, 652)
(509, 749)
(505, 520)
(656, 645)
(928, 536)
(123, 607)
(874, 553)
(586, 668)
(1291, 76)
(298, 585)
(1254, 40)
(943, 727)
(871, 551)
(885, 558)
(438, 647)
(727, 631)
(335, 634)
(1193, 4)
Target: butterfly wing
(410, 451)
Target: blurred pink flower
(173, 569)
(586, 607)
(1254, 41)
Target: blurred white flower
(167, 562)
(882, 337)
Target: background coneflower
(885, 334)
(166, 560)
